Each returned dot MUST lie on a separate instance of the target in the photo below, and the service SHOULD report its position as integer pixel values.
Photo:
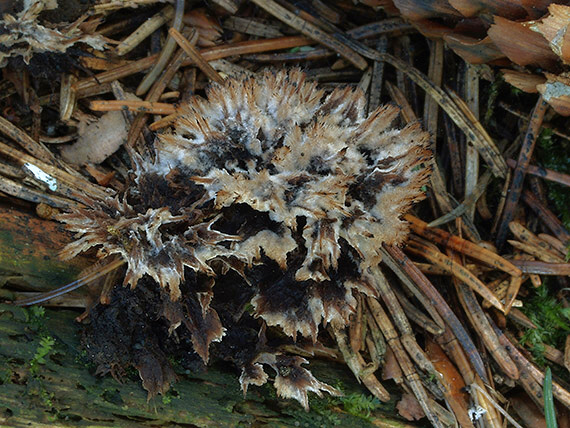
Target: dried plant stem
(163, 123)
(412, 287)
(157, 90)
(471, 154)
(478, 320)
(475, 134)
(451, 346)
(377, 77)
(519, 317)
(311, 31)
(456, 160)
(545, 173)
(358, 366)
(209, 54)
(356, 326)
(451, 381)
(554, 242)
(526, 236)
(58, 140)
(195, 56)
(431, 114)
(524, 116)
(379, 344)
(145, 30)
(403, 359)
(67, 97)
(387, 26)
(136, 106)
(91, 276)
(496, 405)
(518, 176)
(547, 216)
(399, 98)
(463, 246)
(441, 305)
(81, 86)
(252, 46)
(420, 248)
(537, 252)
(18, 190)
(542, 268)
(26, 142)
(468, 205)
(512, 292)
(559, 392)
(400, 320)
(415, 315)
(77, 183)
(165, 54)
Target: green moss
(492, 100)
(44, 348)
(360, 405)
(552, 321)
(170, 395)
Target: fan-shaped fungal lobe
(293, 189)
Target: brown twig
(166, 52)
(558, 391)
(523, 161)
(410, 373)
(418, 247)
(132, 105)
(542, 268)
(31, 146)
(195, 56)
(26, 193)
(547, 216)
(311, 31)
(463, 246)
(478, 320)
(33, 165)
(442, 307)
(91, 276)
(358, 365)
(545, 173)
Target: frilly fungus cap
(271, 178)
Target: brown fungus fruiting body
(269, 192)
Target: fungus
(270, 195)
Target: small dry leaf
(505, 8)
(391, 369)
(530, 46)
(473, 50)
(554, 28)
(155, 372)
(409, 408)
(415, 10)
(209, 32)
(526, 82)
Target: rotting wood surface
(63, 391)
(29, 248)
